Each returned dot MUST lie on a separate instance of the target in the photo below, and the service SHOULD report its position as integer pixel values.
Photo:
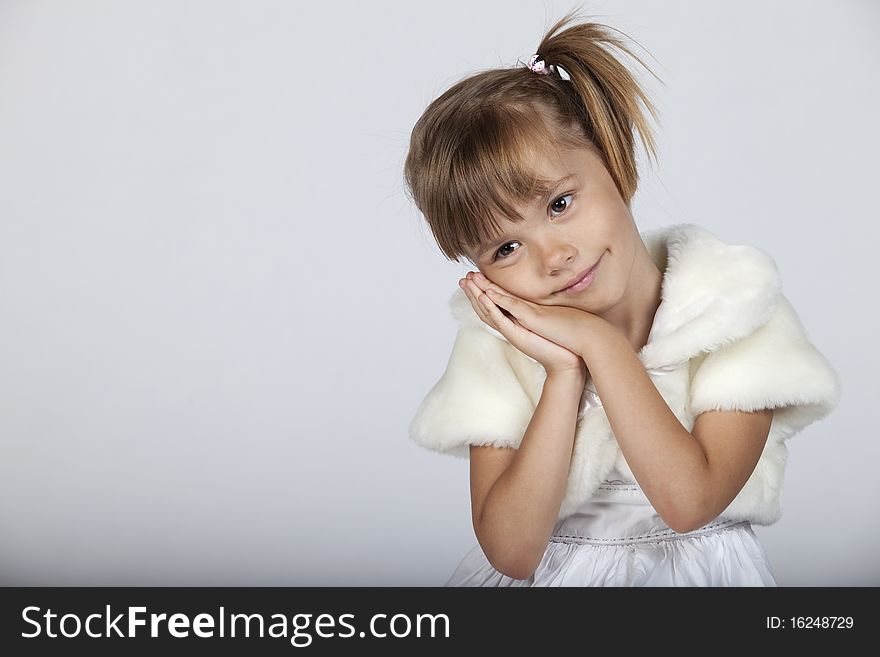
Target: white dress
(617, 538)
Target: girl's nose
(559, 255)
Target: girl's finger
(503, 323)
(485, 284)
(513, 302)
(471, 290)
(514, 305)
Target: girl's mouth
(583, 283)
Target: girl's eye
(500, 252)
(565, 196)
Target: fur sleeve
(775, 367)
(479, 400)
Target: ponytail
(605, 96)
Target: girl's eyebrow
(557, 184)
(482, 247)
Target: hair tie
(536, 65)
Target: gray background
(220, 311)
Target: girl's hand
(553, 357)
(568, 327)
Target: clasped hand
(555, 336)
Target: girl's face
(583, 222)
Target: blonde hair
(469, 152)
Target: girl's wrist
(594, 340)
(572, 374)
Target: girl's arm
(689, 477)
(516, 494)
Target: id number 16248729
(809, 622)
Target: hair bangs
(492, 174)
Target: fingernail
(480, 276)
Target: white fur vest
(723, 338)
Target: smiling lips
(581, 281)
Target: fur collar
(713, 293)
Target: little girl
(624, 397)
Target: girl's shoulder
(775, 366)
(713, 292)
(485, 396)
(723, 308)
